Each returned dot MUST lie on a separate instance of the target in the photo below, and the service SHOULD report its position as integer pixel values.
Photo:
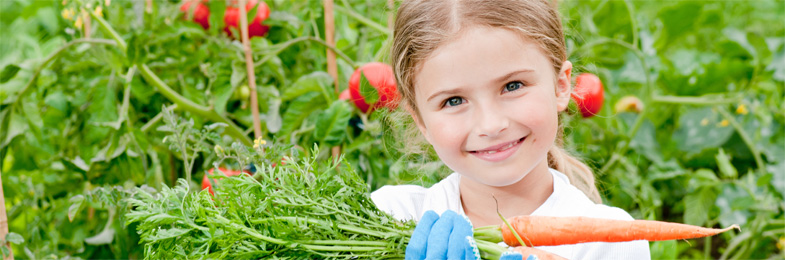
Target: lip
(498, 152)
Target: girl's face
(488, 103)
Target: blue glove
(447, 237)
(510, 255)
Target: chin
(500, 180)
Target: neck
(520, 198)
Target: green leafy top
(304, 209)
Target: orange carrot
(551, 231)
(542, 255)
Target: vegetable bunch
(307, 209)
(314, 209)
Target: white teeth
(501, 149)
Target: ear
(564, 86)
(420, 124)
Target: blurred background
(690, 128)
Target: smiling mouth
(499, 149)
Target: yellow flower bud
(78, 23)
(705, 121)
(724, 123)
(628, 104)
(742, 110)
(68, 14)
(98, 11)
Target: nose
(491, 120)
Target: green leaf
(57, 100)
(14, 238)
(702, 178)
(726, 168)
(315, 82)
(272, 118)
(135, 51)
(168, 233)
(9, 71)
(677, 20)
(250, 14)
(367, 90)
(331, 125)
(300, 108)
(700, 129)
(76, 205)
(17, 125)
(734, 204)
(239, 72)
(664, 249)
(697, 206)
(778, 180)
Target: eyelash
(519, 84)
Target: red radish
(381, 77)
(206, 184)
(201, 14)
(588, 94)
(255, 27)
(551, 231)
(345, 95)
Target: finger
(415, 250)
(471, 251)
(457, 244)
(439, 236)
(509, 255)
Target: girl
(484, 81)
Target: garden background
(85, 111)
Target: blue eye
(453, 101)
(513, 86)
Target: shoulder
(399, 200)
(409, 202)
(568, 200)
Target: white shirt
(407, 202)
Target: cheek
(444, 133)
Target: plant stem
(324, 223)
(157, 118)
(109, 30)
(257, 124)
(703, 100)
(282, 46)
(745, 137)
(363, 20)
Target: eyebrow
(503, 78)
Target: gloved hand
(447, 237)
(512, 255)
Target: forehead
(477, 55)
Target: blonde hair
(422, 26)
